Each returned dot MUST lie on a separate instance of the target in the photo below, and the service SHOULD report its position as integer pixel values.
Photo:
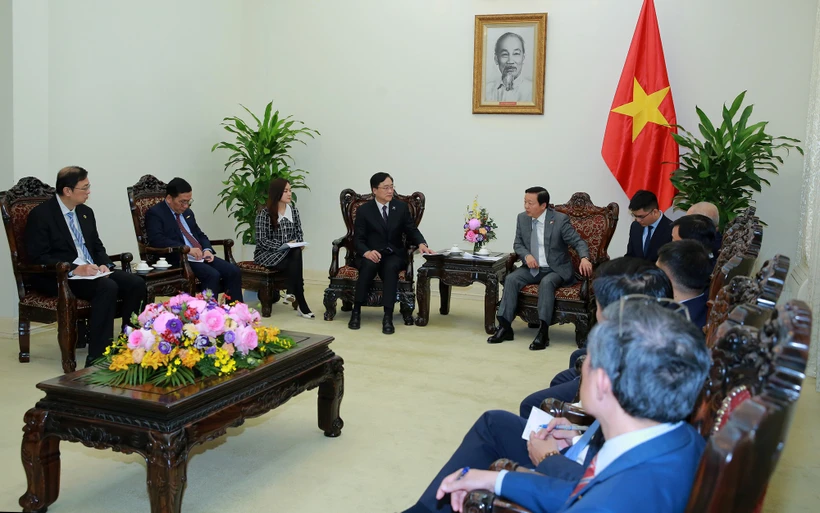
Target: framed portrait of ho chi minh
(509, 60)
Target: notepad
(92, 277)
(537, 418)
(289, 245)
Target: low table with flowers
(191, 369)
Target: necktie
(575, 451)
(589, 474)
(384, 214)
(78, 238)
(646, 242)
(534, 246)
(186, 234)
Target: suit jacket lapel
(549, 223)
(60, 219)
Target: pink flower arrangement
(479, 227)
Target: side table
(461, 271)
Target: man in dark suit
(711, 211)
(641, 413)
(650, 230)
(171, 223)
(63, 229)
(688, 266)
(542, 240)
(696, 227)
(378, 231)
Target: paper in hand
(289, 245)
(537, 418)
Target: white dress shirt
(80, 260)
(542, 252)
(654, 229)
(381, 205)
(521, 91)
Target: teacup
(162, 263)
(143, 266)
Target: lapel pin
(552, 222)
(84, 217)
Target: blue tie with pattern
(78, 238)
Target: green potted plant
(723, 167)
(258, 155)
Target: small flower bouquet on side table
(184, 338)
(479, 227)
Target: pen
(564, 427)
(463, 473)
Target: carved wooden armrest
(487, 502)
(182, 250)
(335, 246)
(569, 411)
(125, 260)
(510, 465)
(227, 245)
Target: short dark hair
(643, 200)
(688, 263)
(177, 186)
(505, 36)
(656, 359)
(696, 227)
(543, 194)
(629, 275)
(378, 178)
(68, 177)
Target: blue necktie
(646, 242)
(574, 451)
(78, 238)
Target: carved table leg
(331, 392)
(41, 461)
(265, 293)
(444, 294)
(423, 297)
(330, 304)
(490, 302)
(167, 470)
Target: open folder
(289, 245)
(106, 272)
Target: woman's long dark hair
(275, 191)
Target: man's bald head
(707, 209)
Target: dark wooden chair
(741, 456)
(738, 252)
(143, 195)
(576, 303)
(343, 279)
(70, 314)
(748, 431)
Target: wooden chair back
(738, 252)
(143, 195)
(596, 225)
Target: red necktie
(589, 473)
(186, 234)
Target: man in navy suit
(645, 368)
(63, 229)
(711, 211)
(688, 266)
(378, 231)
(650, 230)
(171, 223)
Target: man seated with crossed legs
(645, 368)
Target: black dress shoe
(387, 324)
(500, 335)
(355, 320)
(89, 360)
(541, 341)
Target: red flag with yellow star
(637, 140)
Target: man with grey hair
(645, 369)
(510, 86)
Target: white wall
(389, 86)
(7, 300)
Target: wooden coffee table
(461, 271)
(163, 424)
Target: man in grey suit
(542, 240)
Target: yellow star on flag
(644, 108)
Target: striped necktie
(78, 238)
(589, 474)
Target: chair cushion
(37, 300)
(571, 293)
(349, 272)
(250, 265)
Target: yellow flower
(190, 357)
(482, 231)
(121, 361)
(154, 359)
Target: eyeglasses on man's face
(385, 187)
(671, 304)
(186, 203)
(84, 188)
(641, 217)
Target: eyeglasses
(85, 188)
(186, 203)
(647, 300)
(385, 187)
(641, 218)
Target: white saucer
(455, 253)
(156, 266)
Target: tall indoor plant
(723, 167)
(258, 156)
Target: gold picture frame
(509, 62)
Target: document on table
(289, 245)
(537, 418)
(92, 277)
(482, 257)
